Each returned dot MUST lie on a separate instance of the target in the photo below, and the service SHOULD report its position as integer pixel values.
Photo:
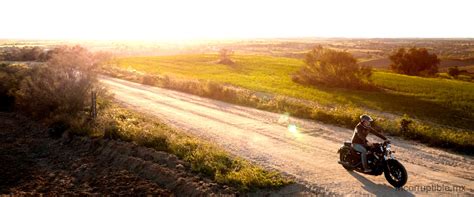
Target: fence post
(93, 104)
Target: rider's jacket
(361, 132)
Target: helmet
(366, 118)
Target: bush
(47, 93)
(10, 75)
(415, 61)
(155, 140)
(61, 87)
(463, 75)
(333, 68)
(454, 71)
(149, 80)
(58, 127)
(224, 55)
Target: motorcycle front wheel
(395, 173)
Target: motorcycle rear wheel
(343, 155)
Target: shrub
(415, 61)
(156, 140)
(454, 71)
(251, 176)
(58, 127)
(10, 76)
(149, 80)
(332, 68)
(62, 87)
(110, 130)
(224, 55)
(463, 75)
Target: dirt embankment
(33, 163)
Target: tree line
(335, 68)
(35, 53)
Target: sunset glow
(159, 20)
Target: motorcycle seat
(347, 143)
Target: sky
(234, 19)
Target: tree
(332, 68)
(415, 61)
(224, 55)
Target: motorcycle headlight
(388, 152)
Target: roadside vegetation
(440, 110)
(115, 122)
(58, 94)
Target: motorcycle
(379, 158)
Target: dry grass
(205, 158)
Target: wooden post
(93, 104)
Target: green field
(441, 101)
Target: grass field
(441, 110)
(441, 101)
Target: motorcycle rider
(359, 141)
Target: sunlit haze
(207, 19)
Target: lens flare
(292, 128)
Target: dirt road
(307, 151)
